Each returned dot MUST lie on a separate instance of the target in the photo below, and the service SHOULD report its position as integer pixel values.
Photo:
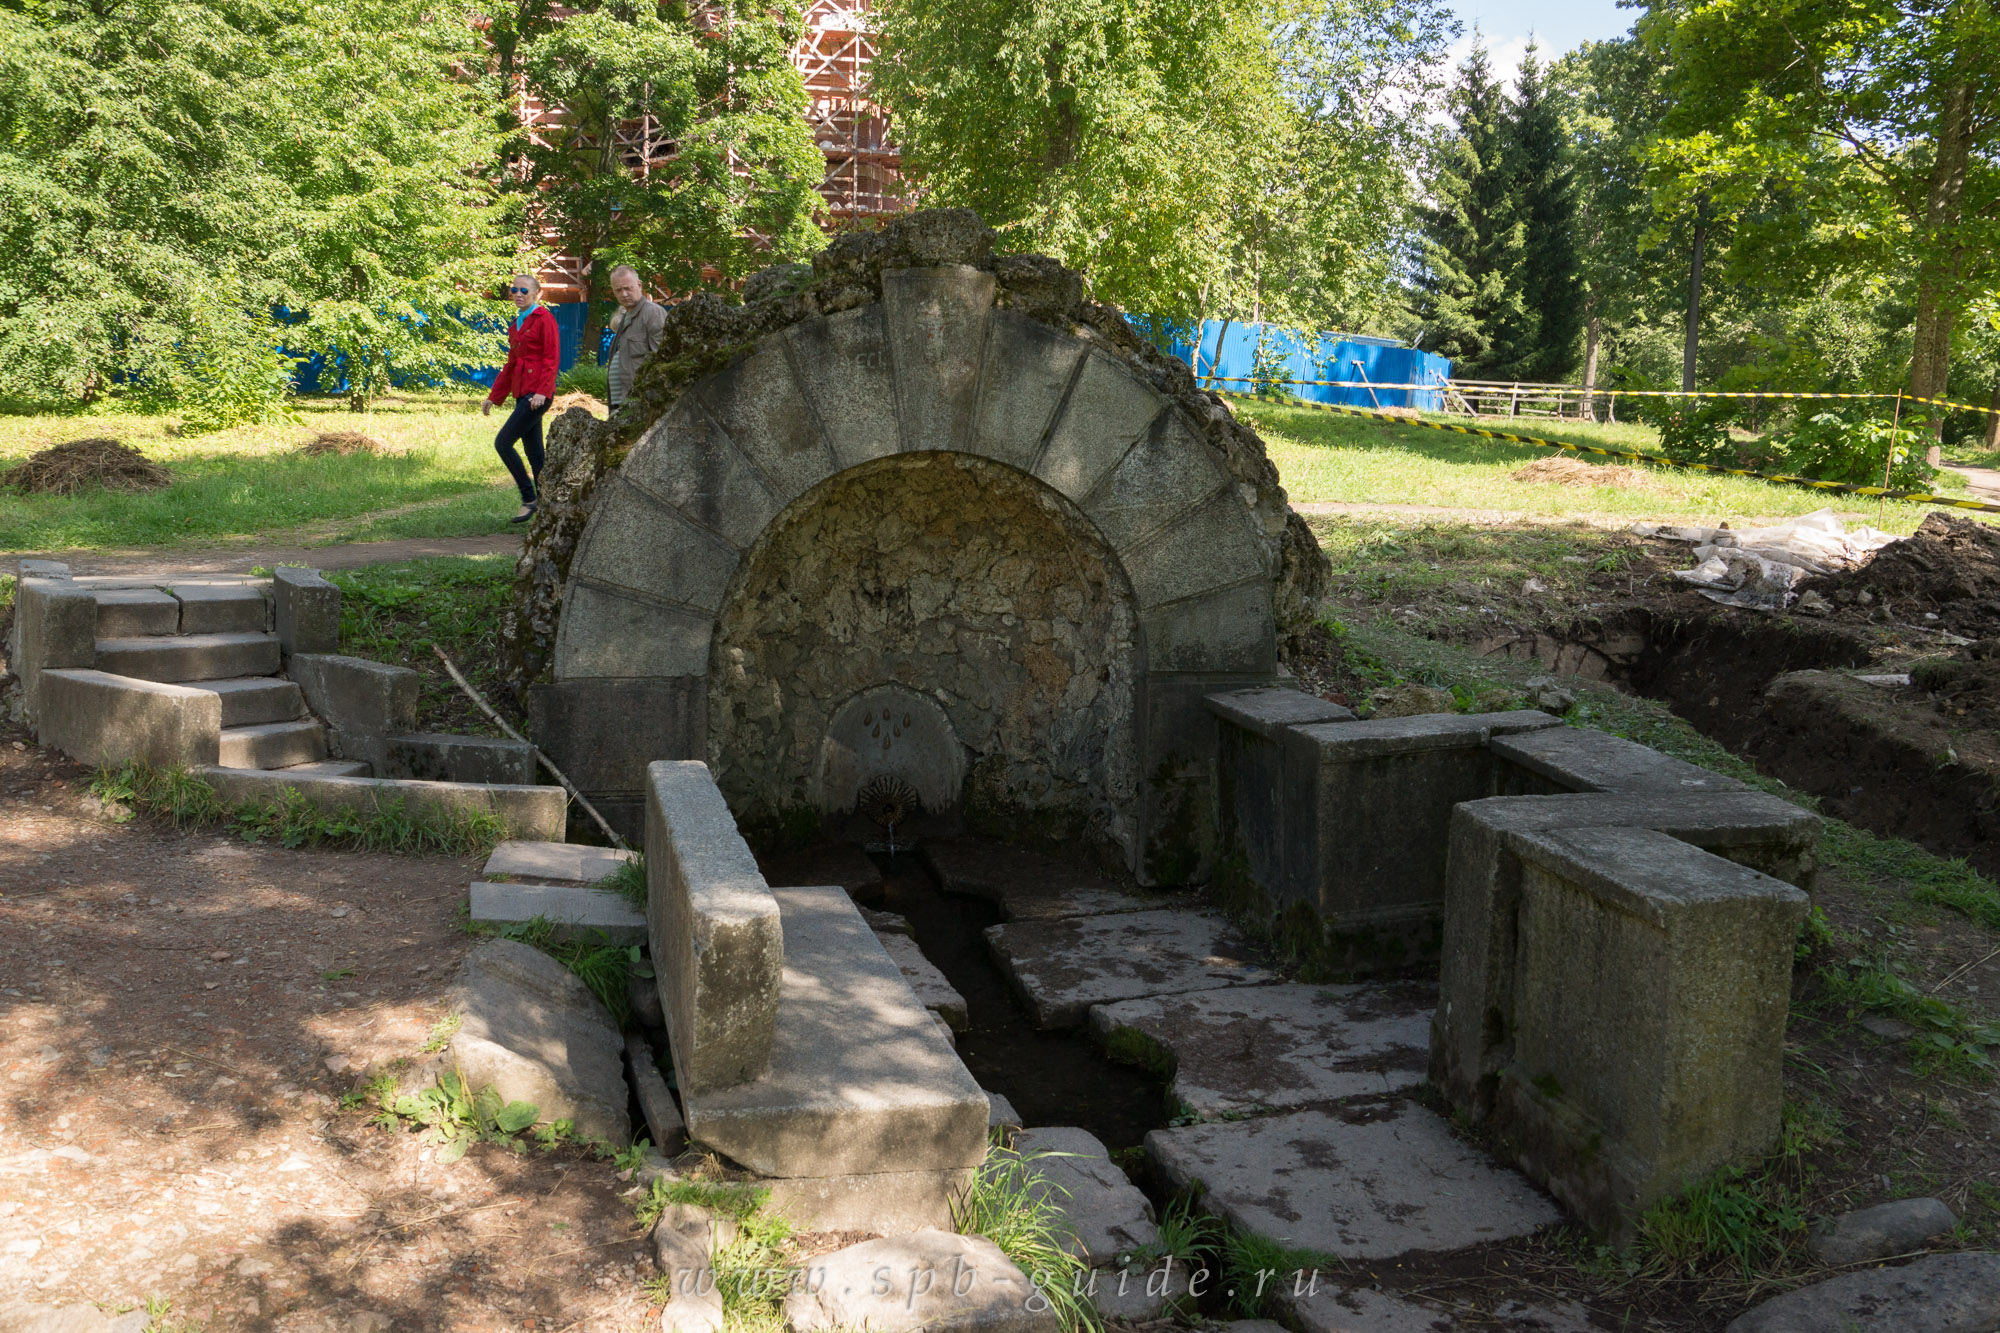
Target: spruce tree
(1470, 250)
(1550, 283)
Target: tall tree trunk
(1993, 418)
(596, 308)
(1938, 297)
(1692, 340)
(1593, 332)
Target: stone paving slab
(1062, 967)
(932, 990)
(1325, 1309)
(562, 862)
(841, 863)
(1281, 1046)
(574, 908)
(1027, 886)
(1366, 1190)
(1944, 1293)
(1074, 1170)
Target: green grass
(604, 967)
(1005, 1204)
(628, 881)
(394, 613)
(251, 482)
(1322, 456)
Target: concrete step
(250, 700)
(185, 657)
(556, 862)
(124, 613)
(221, 606)
(576, 910)
(531, 813)
(324, 768)
(273, 745)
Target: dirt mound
(590, 403)
(1567, 471)
(1949, 567)
(1965, 689)
(65, 469)
(342, 442)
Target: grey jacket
(632, 344)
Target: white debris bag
(1761, 567)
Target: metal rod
(512, 734)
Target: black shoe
(527, 512)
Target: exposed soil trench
(1884, 757)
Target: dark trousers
(524, 423)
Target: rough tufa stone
(936, 1281)
(1946, 1293)
(1876, 1233)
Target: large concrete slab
(98, 718)
(716, 939)
(249, 700)
(185, 657)
(893, 1202)
(1109, 410)
(1062, 967)
(129, 613)
(1585, 759)
(1250, 1047)
(1322, 1305)
(1027, 885)
(363, 703)
(933, 1281)
(1944, 1293)
(444, 758)
(929, 985)
(861, 1078)
(272, 744)
(305, 611)
(763, 410)
(636, 541)
(1074, 1171)
(1164, 475)
(575, 909)
(559, 862)
(1214, 546)
(1369, 1190)
(1268, 711)
(531, 812)
(221, 606)
(530, 1029)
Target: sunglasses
(518, 290)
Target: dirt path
(239, 559)
(180, 1014)
(1613, 522)
(1984, 482)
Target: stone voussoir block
(306, 608)
(1649, 1050)
(716, 937)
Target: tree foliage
(173, 171)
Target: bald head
(625, 286)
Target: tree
(725, 181)
(172, 172)
(1550, 279)
(1883, 118)
(1470, 251)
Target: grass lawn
(1324, 456)
(252, 483)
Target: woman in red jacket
(533, 350)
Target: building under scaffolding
(863, 179)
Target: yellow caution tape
(1838, 487)
(1530, 391)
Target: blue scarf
(521, 317)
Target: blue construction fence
(1228, 352)
(319, 374)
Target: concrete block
(306, 610)
(98, 718)
(459, 759)
(222, 606)
(185, 657)
(1060, 968)
(663, 1116)
(843, 362)
(716, 940)
(1470, 1038)
(1392, 1184)
(128, 613)
(576, 909)
(1166, 473)
(762, 409)
(528, 812)
(272, 744)
(1214, 546)
(603, 733)
(639, 543)
(1647, 1051)
(1940, 1293)
(612, 632)
(1585, 759)
(328, 768)
(249, 700)
(928, 984)
(55, 626)
(363, 703)
(1266, 712)
(28, 568)
(891, 1201)
(686, 462)
(1027, 885)
(860, 1078)
(1317, 1303)
(1112, 1219)
(1248, 1048)
(1109, 410)
(530, 1029)
(1227, 630)
(934, 322)
(572, 862)
(1029, 366)
(934, 1281)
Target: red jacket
(534, 348)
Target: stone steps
(574, 908)
(179, 658)
(124, 613)
(273, 744)
(534, 812)
(250, 700)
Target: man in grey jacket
(635, 332)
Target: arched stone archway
(932, 370)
